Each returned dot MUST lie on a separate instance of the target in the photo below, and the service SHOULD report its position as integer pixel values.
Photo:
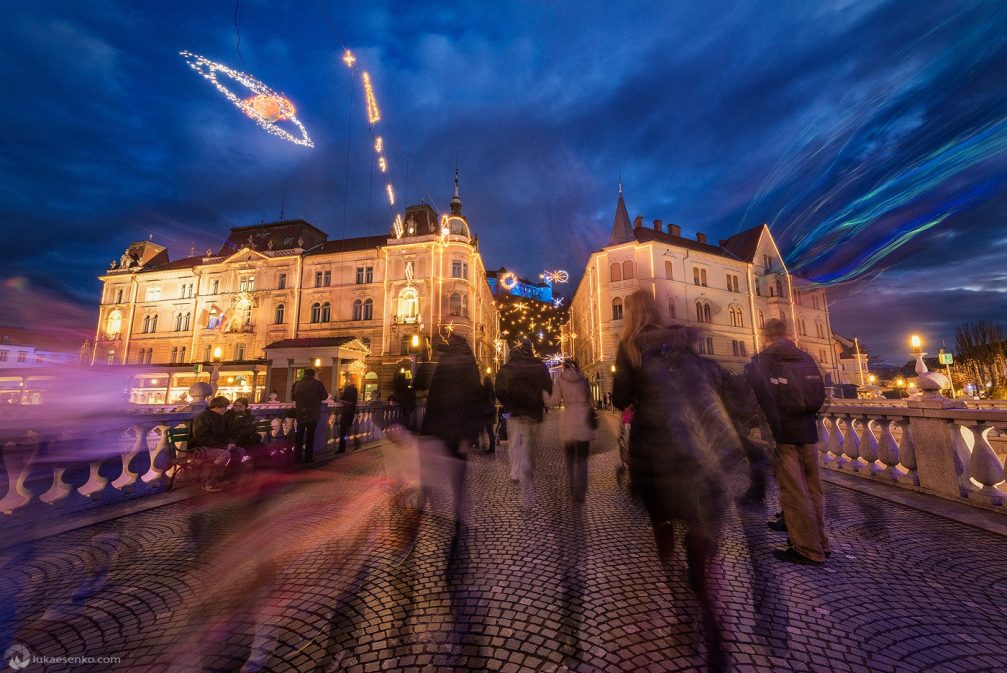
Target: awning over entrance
(335, 360)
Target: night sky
(870, 136)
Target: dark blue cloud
(718, 116)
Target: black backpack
(797, 385)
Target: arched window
(368, 309)
(455, 304)
(357, 309)
(703, 312)
(146, 324)
(213, 320)
(316, 312)
(616, 272)
(326, 312)
(153, 324)
(113, 324)
(628, 269)
(280, 310)
(409, 303)
(617, 309)
(187, 322)
(699, 311)
(668, 270)
(819, 329)
(736, 320)
(762, 320)
(178, 322)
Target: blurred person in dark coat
(308, 394)
(523, 385)
(453, 414)
(682, 446)
(347, 413)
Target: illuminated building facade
(728, 291)
(277, 298)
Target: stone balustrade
(99, 459)
(918, 444)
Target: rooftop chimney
(638, 222)
(674, 229)
(701, 237)
(658, 224)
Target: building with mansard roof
(727, 290)
(277, 298)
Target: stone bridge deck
(320, 576)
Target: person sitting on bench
(210, 433)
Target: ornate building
(727, 290)
(276, 298)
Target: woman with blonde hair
(681, 445)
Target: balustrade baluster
(888, 450)
(962, 455)
(907, 452)
(57, 455)
(984, 466)
(851, 443)
(823, 441)
(18, 459)
(128, 478)
(869, 445)
(836, 442)
(159, 460)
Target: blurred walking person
(523, 385)
(453, 416)
(308, 394)
(347, 414)
(489, 414)
(790, 390)
(682, 445)
(577, 425)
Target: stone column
(267, 387)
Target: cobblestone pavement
(320, 576)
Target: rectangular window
(695, 276)
(239, 352)
(215, 286)
(4, 355)
(318, 278)
(242, 284)
(153, 293)
(456, 268)
(150, 354)
(702, 346)
(110, 358)
(709, 345)
(251, 283)
(118, 296)
(281, 282)
(743, 348)
(369, 274)
(181, 354)
(174, 355)
(360, 275)
(732, 283)
(327, 278)
(22, 356)
(206, 352)
(38, 359)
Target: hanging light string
(377, 140)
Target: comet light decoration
(264, 106)
(373, 117)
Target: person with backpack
(790, 390)
(682, 447)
